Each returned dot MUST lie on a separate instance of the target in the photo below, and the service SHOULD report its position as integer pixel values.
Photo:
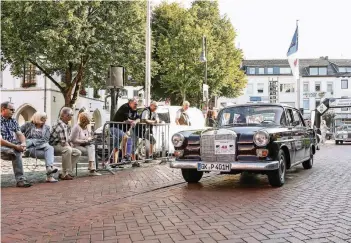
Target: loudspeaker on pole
(115, 77)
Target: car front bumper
(245, 165)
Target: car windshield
(252, 116)
(347, 128)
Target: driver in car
(241, 119)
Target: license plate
(224, 147)
(213, 167)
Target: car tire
(276, 178)
(192, 175)
(337, 142)
(308, 163)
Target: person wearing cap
(126, 117)
(182, 117)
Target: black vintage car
(259, 138)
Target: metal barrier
(123, 143)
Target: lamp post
(203, 58)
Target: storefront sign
(255, 98)
(339, 103)
(314, 95)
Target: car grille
(207, 145)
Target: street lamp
(203, 58)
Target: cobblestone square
(153, 204)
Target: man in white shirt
(182, 117)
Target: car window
(298, 119)
(289, 117)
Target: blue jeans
(118, 134)
(46, 153)
(16, 157)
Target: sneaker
(66, 177)
(127, 158)
(51, 170)
(94, 173)
(136, 164)
(51, 179)
(23, 184)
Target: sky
(265, 27)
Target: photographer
(82, 140)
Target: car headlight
(261, 138)
(177, 140)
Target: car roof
(261, 104)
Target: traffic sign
(322, 108)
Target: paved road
(153, 204)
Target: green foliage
(177, 34)
(79, 39)
(328, 117)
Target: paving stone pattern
(153, 204)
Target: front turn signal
(262, 153)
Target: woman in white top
(82, 140)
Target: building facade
(320, 78)
(38, 93)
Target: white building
(319, 78)
(38, 93)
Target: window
(289, 117)
(135, 93)
(317, 87)
(306, 104)
(270, 70)
(261, 71)
(315, 71)
(123, 93)
(318, 102)
(298, 119)
(330, 87)
(344, 69)
(344, 109)
(306, 87)
(249, 89)
(252, 70)
(30, 76)
(285, 70)
(260, 88)
(287, 88)
(344, 84)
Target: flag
(292, 54)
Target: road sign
(322, 108)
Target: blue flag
(294, 43)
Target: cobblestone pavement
(153, 204)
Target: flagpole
(298, 85)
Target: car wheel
(337, 142)
(276, 178)
(308, 163)
(192, 175)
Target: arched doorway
(24, 113)
(96, 119)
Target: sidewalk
(52, 212)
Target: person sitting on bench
(12, 148)
(37, 139)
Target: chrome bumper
(271, 165)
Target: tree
(177, 34)
(77, 39)
(329, 117)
